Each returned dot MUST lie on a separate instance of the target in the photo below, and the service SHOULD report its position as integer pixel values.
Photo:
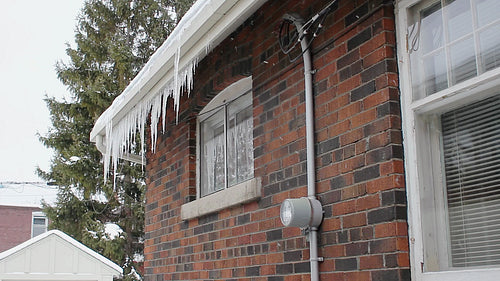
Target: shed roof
(54, 255)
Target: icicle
(177, 86)
(164, 96)
(120, 138)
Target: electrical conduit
(311, 169)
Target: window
(450, 91)
(39, 224)
(225, 163)
(226, 144)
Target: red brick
(344, 207)
(354, 220)
(402, 244)
(357, 276)
(329, 224)
(349, 84)
(368, 202)
(371, 262)
(363, 118)
(353, 191)
(378, 55)
(291, 232)
(374, 43)
(328, 171)
(326, 71)
(385, 229)
(387, 80)
(349, 110)
(379, 140)
(274, 258)
(392, 167)
(376, 98)
(339, 128)
(385, 183)
(334, 251)
(352, 136)
(403, 259)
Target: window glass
(463, 66)
(487, 11)
(240, 150)
(213, 153)
(489, 42)
(432, 24)
(458, 19)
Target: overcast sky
(33, 37)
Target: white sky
(33, 37)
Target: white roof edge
(67, 238)
(215, 20)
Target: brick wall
(15, 225)
(359, 162)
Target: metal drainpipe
(311, 169)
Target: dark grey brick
(363, 91)
(359, 39)
(366, 174)
(346, 264)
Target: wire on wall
(290, 37)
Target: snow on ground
(26, 194)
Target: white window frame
(416, 114)
(230, 196)
(38, 215)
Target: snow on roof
(26, 194)
(168, 72)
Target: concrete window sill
(235, 195)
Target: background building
(20, 211)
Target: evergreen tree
(114, 39)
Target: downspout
(311, 167)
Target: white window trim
(455, 96)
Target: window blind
(471, 150)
